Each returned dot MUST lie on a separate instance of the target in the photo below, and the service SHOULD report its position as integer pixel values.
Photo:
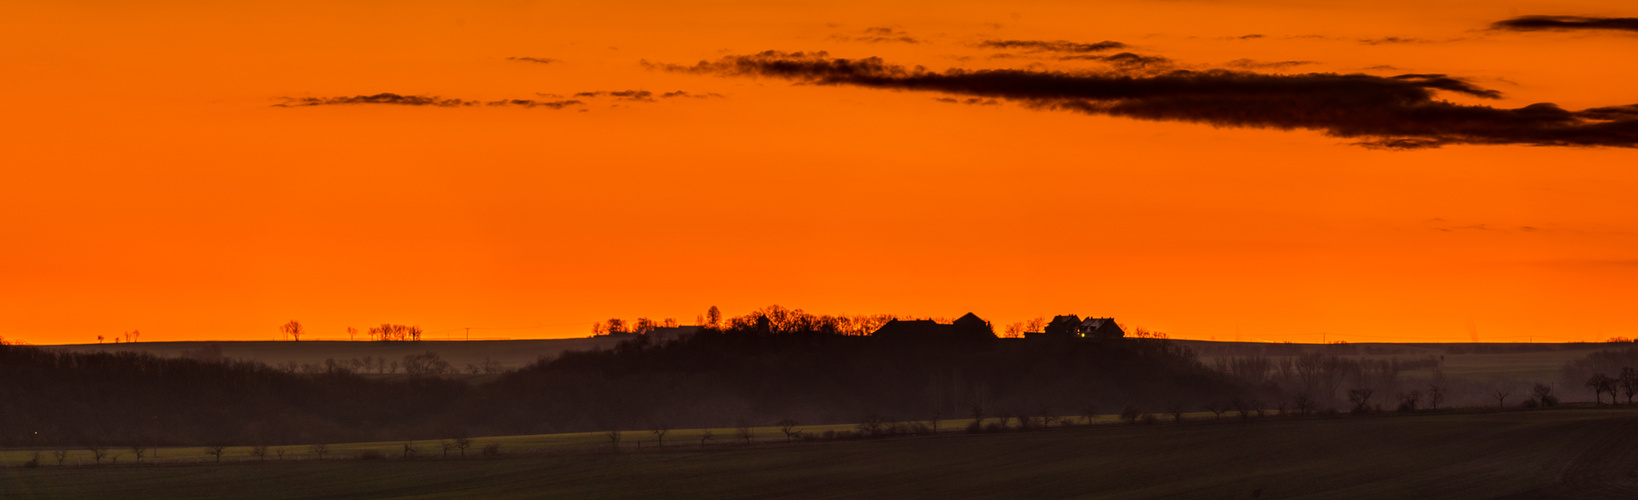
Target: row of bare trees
(1626, 382)
(386, 332)
(775, 318)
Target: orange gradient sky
(149, 182)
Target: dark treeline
(747, 371)
(122, 398)
(761, 374)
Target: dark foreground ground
(1576, 453)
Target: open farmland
(1513, 361)
(1570, 453)
(458, 353)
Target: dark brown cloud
(680, 93)
(382, 98)
(553, 101)
(1126, 61)
(624, 95)
(1266, 65)
(1567, 23)
(1059, 46)
(1399, 112)
(531, 103)
(972, 101)
(537, 60)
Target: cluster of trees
(1606, 371)
(779, 363)
(1626, 382)
(387, 332)
(778, 320)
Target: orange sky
(150, 183)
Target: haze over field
(1234, 170)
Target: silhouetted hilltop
(759, 374)
(750, 371)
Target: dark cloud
(538, 60)
(531, 103)
(1390, 40)
(1398, 112)
(553, 101)
(382, 98)
(1060, 46)
(624, 95)
(680, 93)
(1126, 61)
(879, 35)
(1266, 65)
(1566, 23)
(972, 101)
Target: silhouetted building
(1070, 326)
(1101, 328)
(968, 327)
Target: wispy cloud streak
(1399, 112)
(1567, 23)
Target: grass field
(1539, 366)
(1541, 363)
(577, 442)
(509, 353)
(1569, 453)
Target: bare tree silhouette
(1409, 400)
(659, 431)
(1543, 395)
(1600, 384)
(293, 329)
(788, 427)
(1361, 399)
(216, 450)
(1304, 404)
(98, 452)
(1501, 397)
(613, 436)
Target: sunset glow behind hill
(201, 170)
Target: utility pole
(469, 333)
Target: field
(1526, 362)
(1533, 362)
(459, 354)
(1568, 453)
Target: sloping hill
(1575, 453)
(509, 353)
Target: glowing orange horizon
(153, 185)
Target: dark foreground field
(1578, 453)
